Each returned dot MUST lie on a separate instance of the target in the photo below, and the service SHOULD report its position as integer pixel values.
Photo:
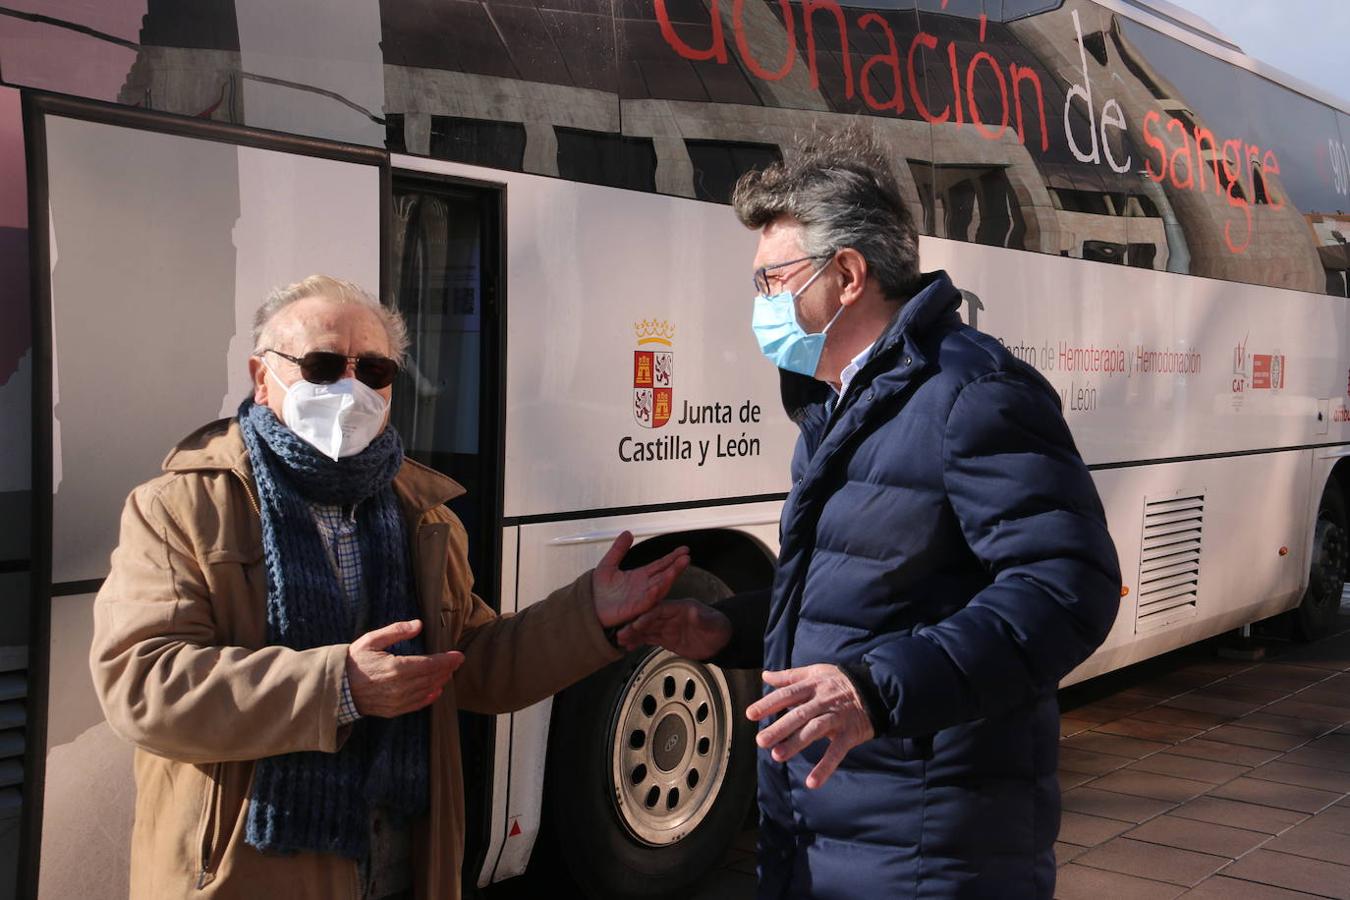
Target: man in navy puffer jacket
(944, 562)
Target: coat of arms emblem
(653, 373)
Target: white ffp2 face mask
(338, 419)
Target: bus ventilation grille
(1169, 560)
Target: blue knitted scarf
(322, 801)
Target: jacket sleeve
(512, 661)
(1029, 511)
(165, 684)
(748, 613)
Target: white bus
(1155, 221)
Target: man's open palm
(621, 595)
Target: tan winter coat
(182, 667)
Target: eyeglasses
(762, 273)
(326, 367)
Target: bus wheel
(651, 768)
(1316, 615)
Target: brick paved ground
(1187, 775)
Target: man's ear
(258, 373)
(853, 275)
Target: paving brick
(1144, 860)
(1221, 888)
(1151, 784)
(1282, 724)
(1097, 714)
(1112, 805)
(1235, 814)
(1077, 882)
(1149, 731)
(1280, 796)
(1070, 780)
(1247, 693)
(1333, 743)
(1294, 872)
(1172, 716)
(1284, 680)
(1180, 681)
(1189, 767)
(1070, 726)
(1304, 776)
(1313, 842)
(1113, 744)
(1338, 698)
(1336, 819)
(1202, 837)
(1065, 853)
(1318, 759)
(1295, 671)
(1086, 761)
(1254, 737)
(1200, 748)
(1229, 709)
(1220, 667)
(1088, 831)
(1316, 712)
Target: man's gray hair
(841, 188)
(337, 291)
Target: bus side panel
(1151, 365)
(1178, 386)
(1254, 507)
(633, 377)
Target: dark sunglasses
(326, 367)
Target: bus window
(479, 142)
(610, 159)
(1241, 167)
(445, 282)
(717, 165)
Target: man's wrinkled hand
(685, 627)
(622, 595)
(386, 685)
(821, 702)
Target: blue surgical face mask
(781, 337)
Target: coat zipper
(248, 492)
(209, 829)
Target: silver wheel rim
(669, 747)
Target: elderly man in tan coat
(289, 629)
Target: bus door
(445, 274)
(157, 238)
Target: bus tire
(1316, 615)
(651, 768)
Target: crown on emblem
(654, 331)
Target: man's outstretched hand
(689, 628)
(821, 702)
(624, 595)
(384, 684)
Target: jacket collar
(936, 303)
(219, 446)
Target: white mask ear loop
(802, 290)
(270, 371)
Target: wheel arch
(741, 561)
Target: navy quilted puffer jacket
(945, 540)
